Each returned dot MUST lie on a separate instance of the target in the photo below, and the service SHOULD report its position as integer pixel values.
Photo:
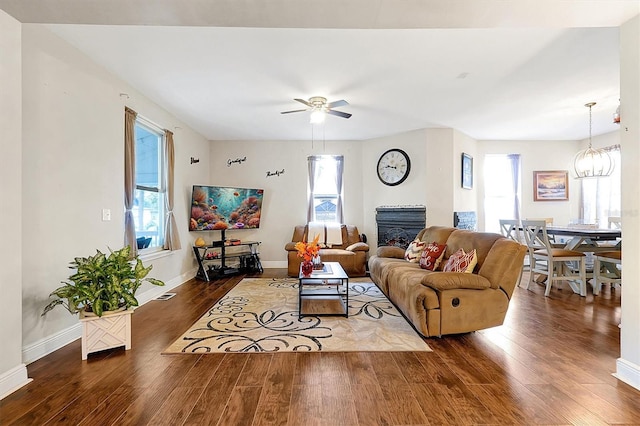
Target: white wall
(285, 196)
(464, 199)
(73, 168)
(628, 365)
(13, 372)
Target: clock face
(393, 167)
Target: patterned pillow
(413, 252)
(432, 256)
(462, 262)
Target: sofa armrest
(358, 247)
(452, 280)
(290, 246)
(390, 251)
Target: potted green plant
(103, 290)
(102, 283)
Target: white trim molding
(12, 380)
(628, 372)
(52, 343)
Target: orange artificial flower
(308, 251)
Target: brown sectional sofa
(351, 254)
(439, 303)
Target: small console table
(222, 258)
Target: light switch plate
(106, 215)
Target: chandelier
(591, 162)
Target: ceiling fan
(319, 108)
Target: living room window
(325, 188)
(502, 189)
(148, 208)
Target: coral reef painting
(217, 208)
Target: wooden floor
(551, 363)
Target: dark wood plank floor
(551, 363)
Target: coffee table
(326, 285)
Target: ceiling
(490, 69)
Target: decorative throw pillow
(413, 252)
(432, 256)
(462, 262)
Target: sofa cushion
(461, 261)
(390, 252)
(451, 280)
(358, 246)
(414, 250)
(432, 256)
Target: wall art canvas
(467, 171)
(551, 185)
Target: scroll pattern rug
(261, 315)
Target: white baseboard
(628, 372)
(12, 380)
(43, 347)
(56, 341)
(274, 264)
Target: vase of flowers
(307, 251)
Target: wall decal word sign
(276, 173)
(236, 161)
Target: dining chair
(510, 228)
(550, 261)
(605, 269)
(547, 220)
(615, 222)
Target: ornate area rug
(261, 315)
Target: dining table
(587, 239)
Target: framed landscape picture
(551, 185)
(467, 171)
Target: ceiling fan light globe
(317, 117)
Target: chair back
(547, 220)
(615, 222)
(510, 228)
(535, 235)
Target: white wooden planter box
(108, 331)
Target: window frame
(161, 189)
(316, 198)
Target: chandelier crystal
(592, 162)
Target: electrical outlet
(106, 215)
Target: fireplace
(399, 225)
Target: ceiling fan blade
(302, 101)
(339, 103)
(339, 113)
(295, 110)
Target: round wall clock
(393, 167)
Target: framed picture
(467, 171)
(551, 185)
